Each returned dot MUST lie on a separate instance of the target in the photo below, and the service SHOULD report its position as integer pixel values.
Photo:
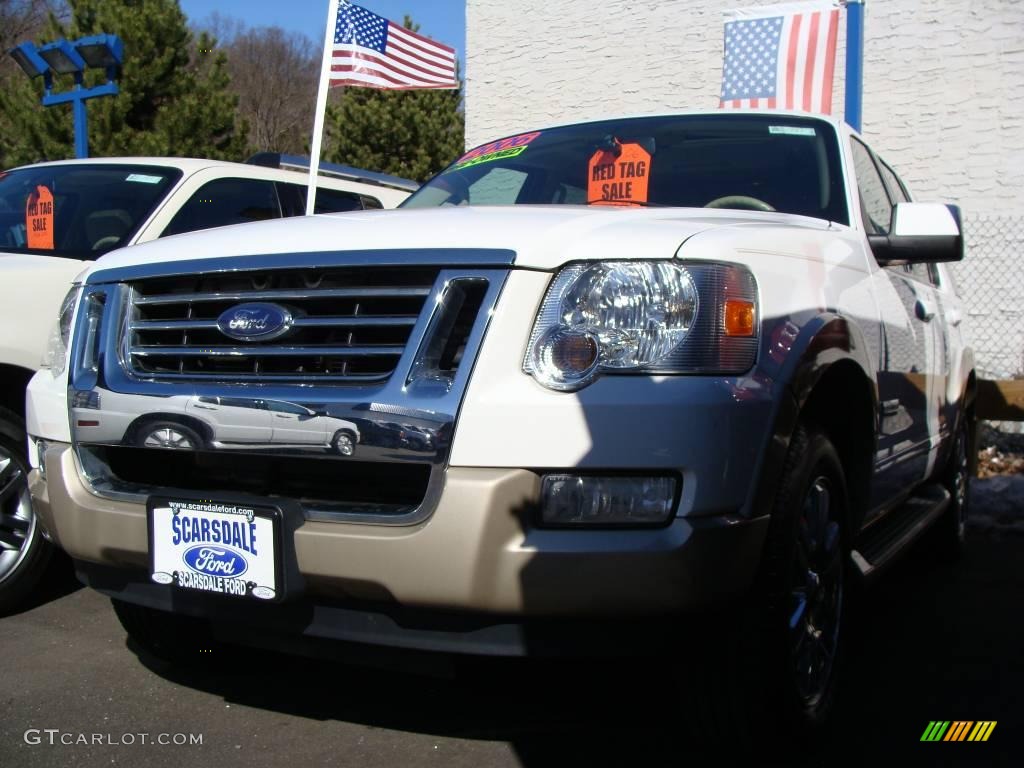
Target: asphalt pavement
(933, 642)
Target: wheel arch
(13, 382)
(827, 379)
(198, 425)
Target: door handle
(923, 310)
(955, 317)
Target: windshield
(78, 211)
(746, 162)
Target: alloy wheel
(816, 592)
(168, 437)
(17, 521)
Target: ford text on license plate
(216, 547)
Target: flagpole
(321, 105)
(854, 63)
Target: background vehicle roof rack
(296, 163)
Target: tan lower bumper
(478, 551)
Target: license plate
(220, 548)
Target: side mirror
(921, 232)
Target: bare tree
(21, 20)
(274, 73)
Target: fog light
(620, 501)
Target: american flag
(780, 57)
(373, 52)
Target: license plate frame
(200, 554)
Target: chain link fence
(990, 282)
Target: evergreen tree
(413, 134)
(172, 101)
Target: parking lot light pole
(73, 58)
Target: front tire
(344, 443)
(776, 660)
(24, 553)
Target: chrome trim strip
(419, 257)
(341, 321)
(251, 378)
(393, 351)
(333, 293)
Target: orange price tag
(621, 179)
(39, 219)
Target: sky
(442, 20)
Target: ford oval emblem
(215, 561)
(255, 321)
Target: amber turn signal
(739, 318)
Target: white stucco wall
(942, 100)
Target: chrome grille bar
(282, 295)
(352, 321)
(265, 351)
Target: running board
(887, 538)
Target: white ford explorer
(56, 217)
(634, 384)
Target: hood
(543, 237)
(39, 263)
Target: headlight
(55, 357)
(643, 317)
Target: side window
(943, 278)
(924, 273)
(371, 203)
(226, 201)
(336, 201)
(877, 207)
(896, 187)
(327, 200)
(283, 407)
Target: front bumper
(478, 552)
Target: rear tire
(950, 529)
(167, 434)
(24, 553)
(171, 637)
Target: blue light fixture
(62, 57)
(101, 51)
(74, 58)
(28, 58)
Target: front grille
(318, 483)
(349, 324)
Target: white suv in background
(198, 422)
(55, 217)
